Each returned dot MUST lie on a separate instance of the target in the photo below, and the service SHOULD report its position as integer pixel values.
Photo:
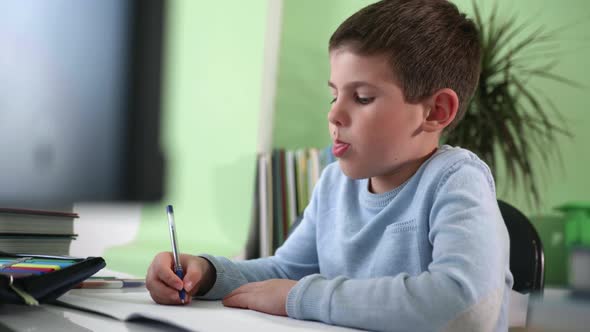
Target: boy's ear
(441, 110)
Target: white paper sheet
(201, 316)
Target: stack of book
(285, 181)
(38, 232)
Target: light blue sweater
(430, 255)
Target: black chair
(527, 261)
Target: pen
(177, 267)
(111, 282)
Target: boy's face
(376, 134)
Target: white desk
(198, 316)
(553, 313)
(559, 311)
(124, 220)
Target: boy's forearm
(223, 276)
(227, 275)
(429, 302)
(209, 278)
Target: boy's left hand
(268, 296)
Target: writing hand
(268, 296)
(163, 284)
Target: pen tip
(169, 209)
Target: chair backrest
(527, 261)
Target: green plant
(507, 121)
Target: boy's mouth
(339, 148)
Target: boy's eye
(333, 100)
(364, 100)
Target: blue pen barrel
(180, 273)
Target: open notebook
(198, 316)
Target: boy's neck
(387, 182)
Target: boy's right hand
(163, 284)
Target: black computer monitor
(80, 87)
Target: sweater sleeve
(296, 258)
(463, 286)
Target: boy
(400, 234)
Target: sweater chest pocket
(397, 250)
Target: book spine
(263, 205)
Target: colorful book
(263, 202)
(284, 205)
(277, 201)
(269, 209)
(291, 188)
(301, 160)
(314, 169)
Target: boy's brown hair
(429, 43)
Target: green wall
(303, 97)
(213, 79)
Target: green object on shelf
(577, 223)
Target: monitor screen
(80, 101)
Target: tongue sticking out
(339, 149)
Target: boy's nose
(337, 115)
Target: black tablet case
(48, 286)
